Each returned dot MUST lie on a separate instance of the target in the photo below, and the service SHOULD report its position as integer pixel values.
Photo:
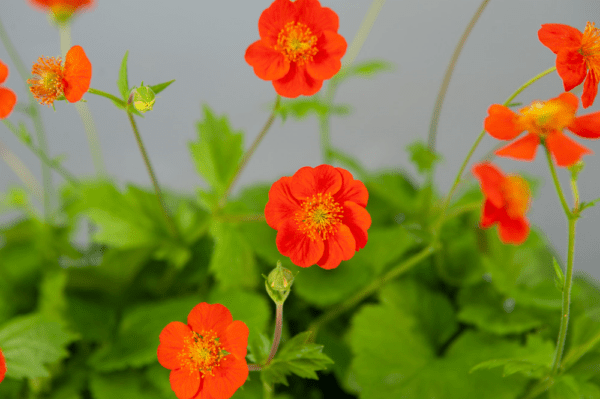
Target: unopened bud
(142, 98)
(279, 282)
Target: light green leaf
(365, 69)
(559, 279)
(161, 86)
(566, 387)
(422, 157)
(301, 108)
(122, 82)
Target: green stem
(276, 333)
(373, 287)
(22, 172)
(437, 108)
(250, 152)
(559, 191)
(159, 196)
(109, 96)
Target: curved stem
(437, 108)
(159, 195)
(559, 191)
(276, 339)
(21, 170)
(250, 152)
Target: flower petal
(587, 126)
(268, 63)
(282, 204)
(316, 17)
(235, 339)
(327, 62)
(184, 384)
(571, 68)
(307, 181)
(559, 36)
(204, 317)
(228, 377)
(291, 242)
(490, 214)
(339, 246)
(77, 74)
(297, 82)
(352, 190)
(273, 19)
(3, 72)
(358, 221)
(172, 343)
(491, 179)
(502, 123)
(2, 366)
(590, 89)
(523, 149)
(8, 99)
(513, 231)
(565, 150)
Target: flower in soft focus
(577, 54)
(8, 98)
(506, 201)
(206, 356)
(320, 216)
(62, 10)
(51, 80)
(544, 121)
(2, 366)
(299, 47)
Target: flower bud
(142, 98)
(279, 283)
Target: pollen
(48, 82)
(297, 42)
(319, 216)
(202, 352)
(543, 118)
(517, 195)
(590, 47)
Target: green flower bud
(279, 283)
(142, 98)
(576, 168)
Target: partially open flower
(62, 10)
(51, 80)
(8, 98)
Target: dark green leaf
(122, 82)
(161, 86)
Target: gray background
(201, 44)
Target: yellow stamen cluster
(543, 118)
(516, 193)
(202, 352)
(590, 47)
(47, 83)
(319, 216)
(297, 42)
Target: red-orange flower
(299, 47)
(207, 355)
(577, 54)
(320, 216)
(545, 122)
(2, 366)
(8, 98)
(506, 201)
(62, 9)
(51, 79)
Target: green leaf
(365, 69)
(301, 108)
(422, 157)
(161, 86)
(589, 204)
(559, 279)
(122, 82)
(128, 384)
(566, 387)
(31, 342)
(296, 356)
(52, 302)
(218, 150)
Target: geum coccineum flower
(320, 216)
(62, 10)
(544, 122)
(507, 199)
(299, 47)
(207, 355)
(577, 56)
(8, 98)
(2, 366)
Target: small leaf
(161, 86)
(366, 69)
(559, 279)
(585, 205)
(422, 157)
(122, 82)
(23, 134)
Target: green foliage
(365, 69)
(301, 108)
(161, 86)
(422, 157)
(122, 81)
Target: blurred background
(201, 44)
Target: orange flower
(576, 54)
(299, 47)
(320, 216)
(207, 355)
(52, 80)
(545, 122)
(2, 366)
(506, 201)
(8, 99)
(62, 10)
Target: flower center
(319, 216)
(297, 42)
(516, 195)
(202, 352)
(543, 118)
(590, 47)
(47, 83)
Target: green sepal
(161, 86)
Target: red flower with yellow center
(8, 98)
(2, 366)
(507, 199)
(299, 47)
(544, 122)
(62, 10)
(320, 216)
(51, 80)
(207, 355)
(577, 56)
